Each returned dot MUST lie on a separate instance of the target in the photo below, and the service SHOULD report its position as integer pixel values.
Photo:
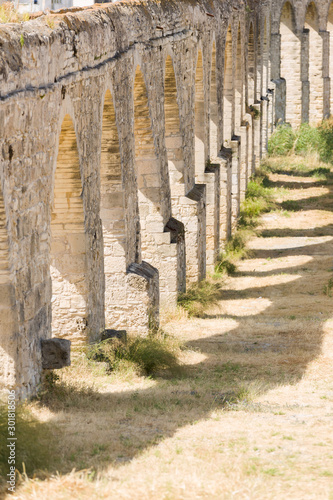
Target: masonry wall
(127, 140)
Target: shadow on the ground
(133, 420)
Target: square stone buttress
(56, 353)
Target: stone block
(56, 353)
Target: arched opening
(147, 167)
(330, 30)
(316, 87)
(250, 68)
(238, 84)
(68, 263)
(188, 208)
(8, 346)
(291, 66)
(112, 216)
(156, 247)
(173, 136)
(228, 91)
(199, 118)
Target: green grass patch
(303, 141)
(291, 205)
(259, 199)
(235, 250)
(198, 296)
(282, 141)
(147, 355)
(328, 289)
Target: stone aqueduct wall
(128, 134)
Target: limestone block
(56, 353)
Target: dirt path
(269, 343)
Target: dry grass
(8, 14)
(250, 417)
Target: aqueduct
(128, 134)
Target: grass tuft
(147, 355)
(259, 199)
(9, 14)
(199, 296)
(328, 289)
(306, 140)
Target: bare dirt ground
(251, 417)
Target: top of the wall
(44, 50)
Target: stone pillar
(235, 181)
(275, 55)
(264, 125)
(305, 75)
(212, 183)
(177, 274)
(271, 108)
(244, 145)
(326, 73)
(256, 130)
(224, 159)
(142, 293)
(192, 213)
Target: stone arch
(173, 136)
(199, 117)
(187, 207)
(68, 263)
(8, 325)
(112, 214)
(156, 244)
(214, 118)
(251, 67)
(291, 65)
(147, 166)
(228, 90)
(315, 64)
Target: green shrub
(308, 140)
(326, 132)
(304, 140)
(328, 288)
(148, 354)
(282, 141)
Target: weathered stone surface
(108, 127)
(114, 334)
(56, 353)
